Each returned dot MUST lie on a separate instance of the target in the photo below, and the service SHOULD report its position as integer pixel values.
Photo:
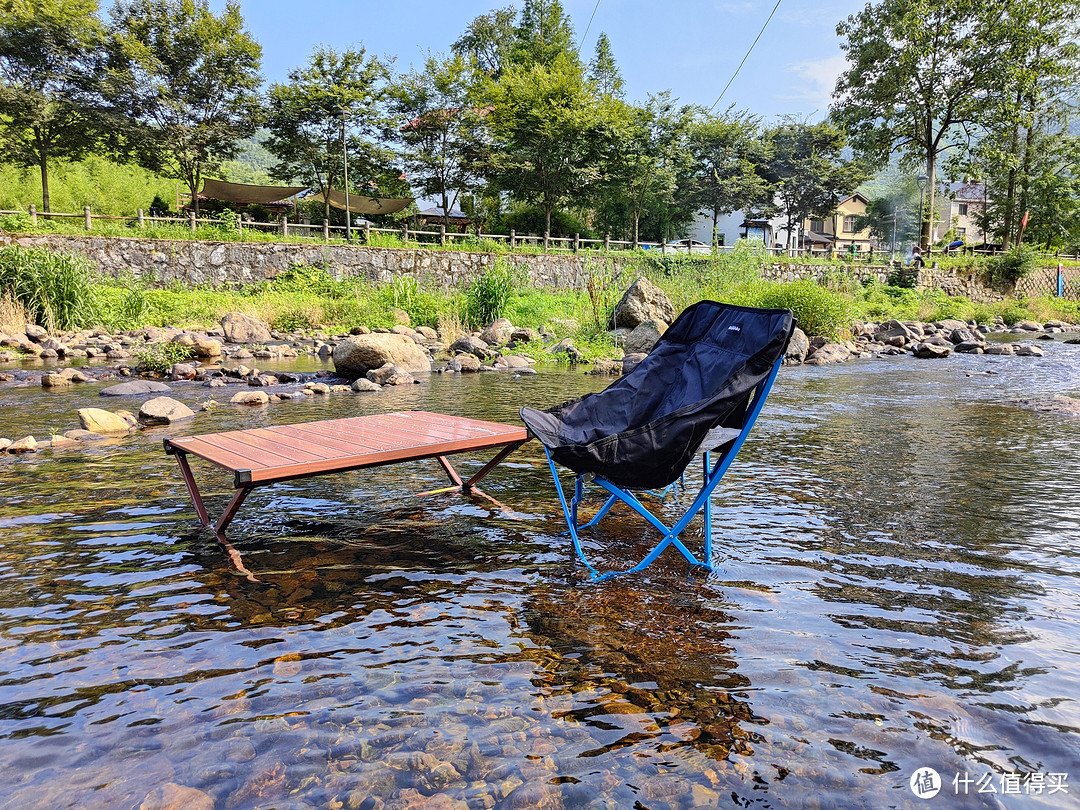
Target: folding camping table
(261, 456)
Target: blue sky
(690, 47)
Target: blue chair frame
(670, 535)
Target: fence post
(367, 233)
(442, 234)
(33, 214)
(240, 226)
(191, 220)
(326, 230)
(405, 234)
(87, 218)
(142, 219)
(284, 227)
(547, 240)
(512, 238)
(607, 243)
(577, 242)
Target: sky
(690, 47)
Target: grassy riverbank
(61, 292)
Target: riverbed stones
(252, 398)
(463, 364)
(1058, 403)
(135, 388)
(171, 796)
(999, 349)
(931, 351)
(390, 375)
(363, 385)
(98, 420)
(969, 347)
(827, 354)
(642, 301)
(1027, 350)
(164, 411)
(62, 378)
(512, 362)
(27, 444)
(797, 347)
(498, 332)
(356, 356)
(35, 332)
(240, 328)
(468, 344)
(321, 389)
(631, 361)
(1028, 326)
(643, 337)
(182, 371)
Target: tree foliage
(187, 80)
(48, 111)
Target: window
(961, 233)
(849, 224)
(961, 209)
(817, 226)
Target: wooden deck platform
(261, 456)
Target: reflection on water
(897, 589)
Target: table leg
(231, 510)
(193, 489)
(491, 465)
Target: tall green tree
(188, 81)
(604, 71)
(437, 126)
(544, 134)
(920, 73)
(48, 109)
(807, 171)
(725, 153)
(334, 103)
(543, 34)
(488, 40)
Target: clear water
(898, 587)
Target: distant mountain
(252, 164)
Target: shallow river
(897, 589)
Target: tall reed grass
(55, 289)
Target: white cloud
(813, 82)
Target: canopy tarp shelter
(248, 195)
(363, 204)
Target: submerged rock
(134, 388)
(1058, 403)
(97, 420)
(164, 411)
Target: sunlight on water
(897, 587)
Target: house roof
(968, 191)
(856, 195)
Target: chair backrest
(643, 430)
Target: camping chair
(698, 392)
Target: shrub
(818, 311)
(54, 288)
(488, 297)
(1016, 263)
(303, 278)
(160, 357)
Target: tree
(437, 124)
(725, 153)
(544, 130)
(48, 50)
(306, 125)
(806, 170)
(604, 72)
(488, 40)
(543, 34)
(188, 81)
(919, 77)
(892, 212)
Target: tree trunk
(44, 184)
(547, 219)
(927, 229)
(637, 220)
(1010, 190)
(715, 219)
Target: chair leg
(569, 514)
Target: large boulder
(241, 328)
(498, 332)
(134, 388)
(467, 344)
(643, 301)
(97, 420)
(644, 336)
(164, 411)
(356, 356)
(931, 351)
(797, 347)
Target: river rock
(97, 420)
(512, 362)
(1057, 403)
(206, 347)
(427, 333)
(1029, 326)
(1027, 350)
(498, 332)
(606, 367)
(164, 411)
(390, 375)
(797, 347)
(134, 388)
(364, 385)
(567, 347)
(356, 356)
(27, 444)
(36, 333)
(62, 378)
(523, 335)
(250, 398)
(999, 348)
(969, 347)
(642, 301)
(317, 388)
(464, 364)
(171, 796)
(240, 328)
(931, 351)
(631, 361)
(468, 344)
(5, 444)
(644, 336)
(182, 371)
(964, 335)
(828, 354)
(892, 330)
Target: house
(840, 230)
(958, 209)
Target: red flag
(1023, 222)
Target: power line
(587, 27)
(743, 62)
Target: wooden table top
(262, 455)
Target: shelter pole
(345, 155)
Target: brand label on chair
(734, 328)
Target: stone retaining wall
(232, 263)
